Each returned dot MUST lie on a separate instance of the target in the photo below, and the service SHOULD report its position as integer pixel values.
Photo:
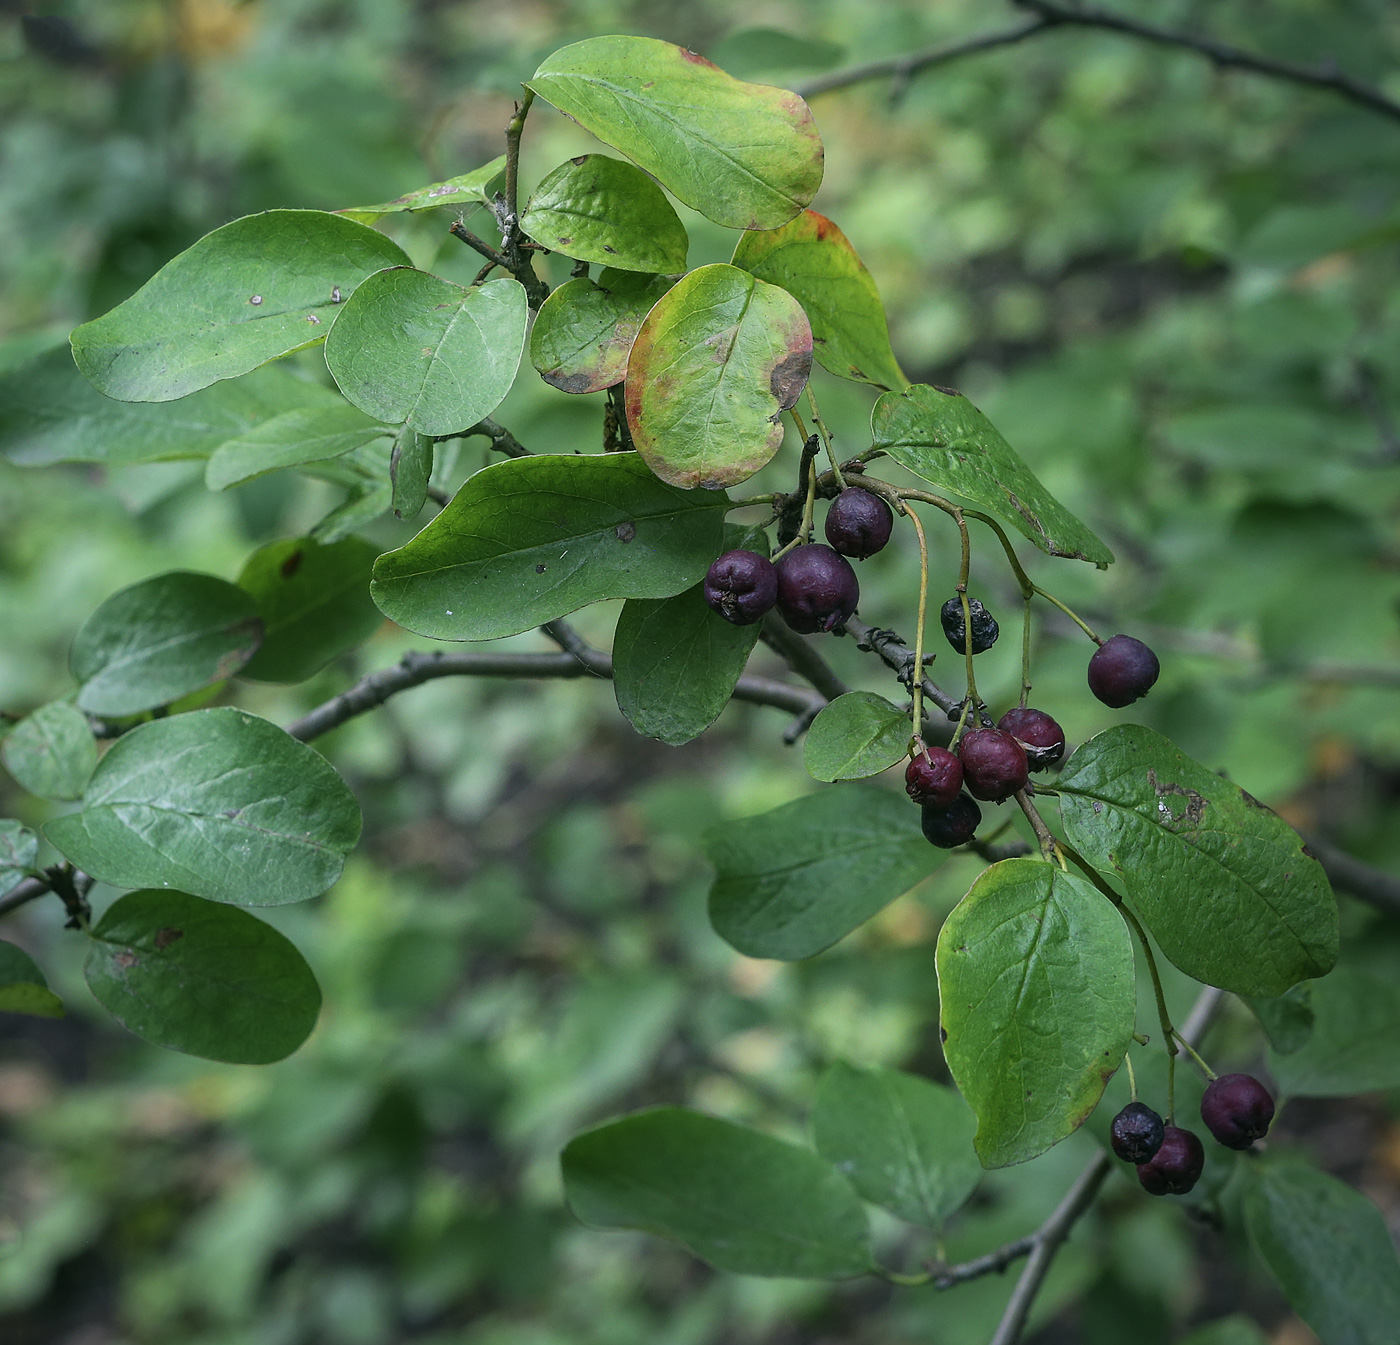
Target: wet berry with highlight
(1137, 1133)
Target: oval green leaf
(1288, 1019)
(19, 848)
(410, 467)
(475, 188)
(1354, 1042)
(309, 434)
(51, 752)
(857, 735)
(583, 333)
(23, 988)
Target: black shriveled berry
(1176, 1167)
(984, 625)
(952, 826)
(994, 764)
(741, 586)
(1122, 671)
(1237, 1110)
(934, 777)
(858, 523)
(1137, 1133)
(1041, 737)
(817, 589)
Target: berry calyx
(1122, 671)
(741, 586)
(934, 777)
(984, 625)
(1137, 1133)
(994, 764)
(1176, 1167)
(858, 523)
(951, 826)
(1041, 738)
(1237, 1110)
(817, 589)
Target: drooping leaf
(737, 1198)
(161, 639)
(290, 440)
(218, 803)
(19, 848)
(602, 210)
(744, 155)
(200, 978)
(51, 752)
(1036, 988)
(1223, 883)
(584, 331)
(474, 188)
(410, 466)
(535, 538)
(857, 735)
(410, 347)
(23, 988)
(793, 881)
(1288, 1019)
(813, 261)
(718, 360)
(1354, 1045)
(904, 1142)
(943, 438)
(255, 289)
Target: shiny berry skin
(952, 826)
(1176, 1167)
(1122, 671)
(994, 764)
(741, 586)
(1137, 1133)
(934, 777)
(1237, 1110)
(858, 523)
(1042, 739)
(984, 625)
(817, 589)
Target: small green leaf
(813, 261)
(207, 980)
(215, 802)
(161, 639)
(583, 333)
(1287, 1019)
(311, 434)
(410, 347)
(23, 988)
(474, 188)
(744, 155)
(1354, 1045)
(795, 880)
(536, 538)
(51, 752)
(602, 210)
(857, 735)
(1223, 882)
(738, 1199)
(1036, 988)
(19, 849)
(716, 363)
(255, 289)
(943, 438)
(410, 466)
(904, 1142)
(365, 504)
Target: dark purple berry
(858, 523)
(934, 777)
(1042, 739)
(1137, 1133)
(1122, 671)
(952, 826)
(1237, 1110)
(1176, 1167)
(817, 589)
(994, 764)
(984, 625)
(741, 586)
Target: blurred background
(1173, 290)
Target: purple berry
(1237, 1110)
(934, 777)
(741, 586)
(1176, 1167)
(994, 764)
(1137, 1133)
(984, 625)
(952, 826)
(1042, 739)
(1122, 671)
(817, 589)
(858, 523)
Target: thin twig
(800, 656)
(502, 440)
(898, 657)
(1371, 885)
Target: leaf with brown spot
(583, 334)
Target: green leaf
(1354, 1046)
(813, 261)
(314, 602)
(410, 466)
(207, 980)
(943, 438)
(19, 849)
(744, 155)
(362, 506)
(1287, 1019)
(1037, 996)
(857, 735)
(602, 210)
(51, 752)
(312, 434)
(904, 1142)
(23, 988)
(161, 639)
(474, 188)
(738, 1199)
(218, 803)
(410, 347)
(1329, 1249)
(583, 333)
(255, 289)
(1223, 882)
(536, 538)
(793, 881)
(718, 360)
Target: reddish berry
(1137, 1133)
(858, 523)
(1040, 737)
(934, 777)
(1237, 1110)
(952, 826)
(1176, 1167)
(994, 764)
(741, 586)
(984, 625)
(1122, 671)
(817, 589)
